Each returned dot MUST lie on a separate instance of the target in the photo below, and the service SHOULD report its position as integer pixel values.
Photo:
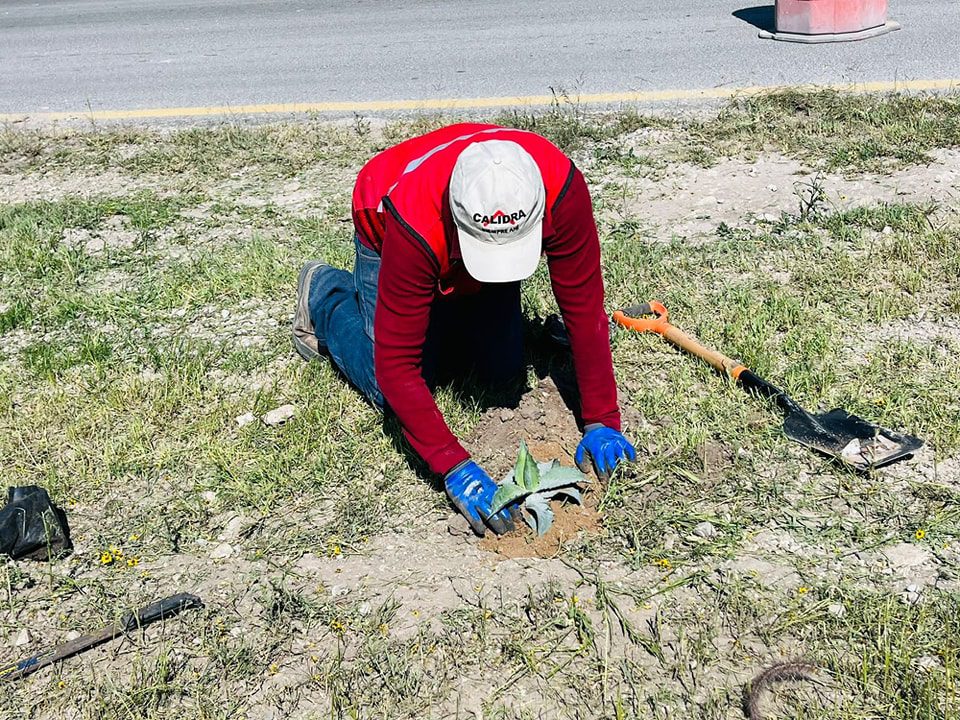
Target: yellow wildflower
(920, 534)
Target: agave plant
(533, 485)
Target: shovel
(837, 433)
(130, 621)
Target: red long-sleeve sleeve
(407, 287)
(573, 256)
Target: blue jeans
(482, 333)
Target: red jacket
(401, 210)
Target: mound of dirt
(550, 430)
(541, 419)
(570, 521)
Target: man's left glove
(471, 490)
(606, 448)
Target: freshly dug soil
(550, 430)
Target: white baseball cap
(497, 200)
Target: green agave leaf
(526, 472)
(571, 493)
(560, 476)
(506, 494)
(537, 513)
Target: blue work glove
(606, 449)
(471, 490)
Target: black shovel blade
(849, 438)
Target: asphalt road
(75, 55)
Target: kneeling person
(447, 225)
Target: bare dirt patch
(692, 201)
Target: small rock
(234, 527)
(279, 416)
(72, 635)
(236, 631)
(224, 313)
(245, 419)
(705, 530)
(221, 551)
(912, 594)
(209, 496)
(772, 188)
(507, 415)
(364, 608)
(457, 525)
(339, 590)
(837, 610)
(23, 638)
(887, 230)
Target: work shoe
(304, 337)
(31, 526)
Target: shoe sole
(304, 339)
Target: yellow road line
(442, 104)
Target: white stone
(245, 419)
(339, 590)
(209, 496)
(837, 610)
(912, 594)
(233, 528)
(279, 416)
(772, 188)
(705, 530)
(23, 638)
(221, 551)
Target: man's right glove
(471, 490)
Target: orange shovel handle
(634, 318)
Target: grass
(138, 324)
